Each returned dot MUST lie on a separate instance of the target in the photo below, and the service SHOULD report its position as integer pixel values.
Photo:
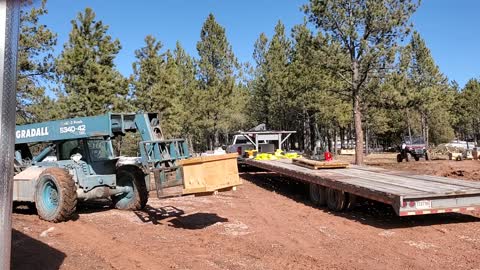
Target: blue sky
(451, 28)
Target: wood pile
(316, 165)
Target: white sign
(423, 204)
(31, 132)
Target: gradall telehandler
(81, 164)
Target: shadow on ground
(197, 221)
(176, 217)
(155, 215)
(366, 212)
(82, 208)
(29, 253)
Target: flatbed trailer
(407, 193)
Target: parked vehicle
(412, 147)
(78, 164)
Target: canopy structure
(257, 137)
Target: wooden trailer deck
(407, 193)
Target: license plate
(423, 204)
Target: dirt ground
(267, 223)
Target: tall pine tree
(277, 61)
(35, 65)
(155, 85)
(366, 33)
(216, 71)
(91, 84)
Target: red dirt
(267, 223)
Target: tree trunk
(306, 132)
(422, 116)
(409, 126)
(357, 117)
(216, 142)
(329, 141)
(335, 141)
(357, 114)
(313, 132)
(342, 138)
(349, 135)
(427, 132)
(191, 149)
(367, 150)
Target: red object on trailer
(328, 156)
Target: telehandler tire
(138, 197)
(55, 195)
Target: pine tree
(155, 85)
(259, 89)
(91, 84)
(216, 71)
(147, 71)
(320, 110)
(277, 61)
(188, 93)
(366, 32)
(429, 93)
(465, 107)
(35, 65)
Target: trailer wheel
(317, 194)
(399, 158)
(336, 200)
(137, 198)
(352, 201)
(55, 195)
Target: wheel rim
(50, 196)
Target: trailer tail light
(411, 204)
(404, 204)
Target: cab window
(100, 149)
(69, 148)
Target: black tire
(313, 193)
(399, 158)
(426, 156)
(352, 201)
(336, 200)
(317, 194)
(416, 158)
(138, 197)
(55, 195)
(322, 193)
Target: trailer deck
(408, 194)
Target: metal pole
(9, 28)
